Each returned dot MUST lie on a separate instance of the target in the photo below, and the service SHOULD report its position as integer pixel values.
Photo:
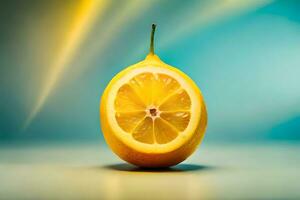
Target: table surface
(92, 171)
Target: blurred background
(56, 58)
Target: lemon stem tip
(152, 39)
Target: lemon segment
(127, 100)
(144, 131)
(163, 86)
(129, 120)
(163, 131)
(179, 120)
(142, 85)
(178, 101)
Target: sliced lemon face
(154, 109)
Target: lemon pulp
(153, 108)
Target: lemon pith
(152, 114)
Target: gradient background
(56, 57)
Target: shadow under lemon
(177, 168)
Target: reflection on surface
(130, 182)
(52, 182)
(120, 181)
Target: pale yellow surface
(91, 171)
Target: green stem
(152, 39)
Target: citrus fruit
(152, 114)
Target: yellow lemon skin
(148, 159)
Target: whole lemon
(152, 114)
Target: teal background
(247, 65)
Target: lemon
(152, 114)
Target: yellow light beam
(199, 18)
(131, 10)
(88, 11)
